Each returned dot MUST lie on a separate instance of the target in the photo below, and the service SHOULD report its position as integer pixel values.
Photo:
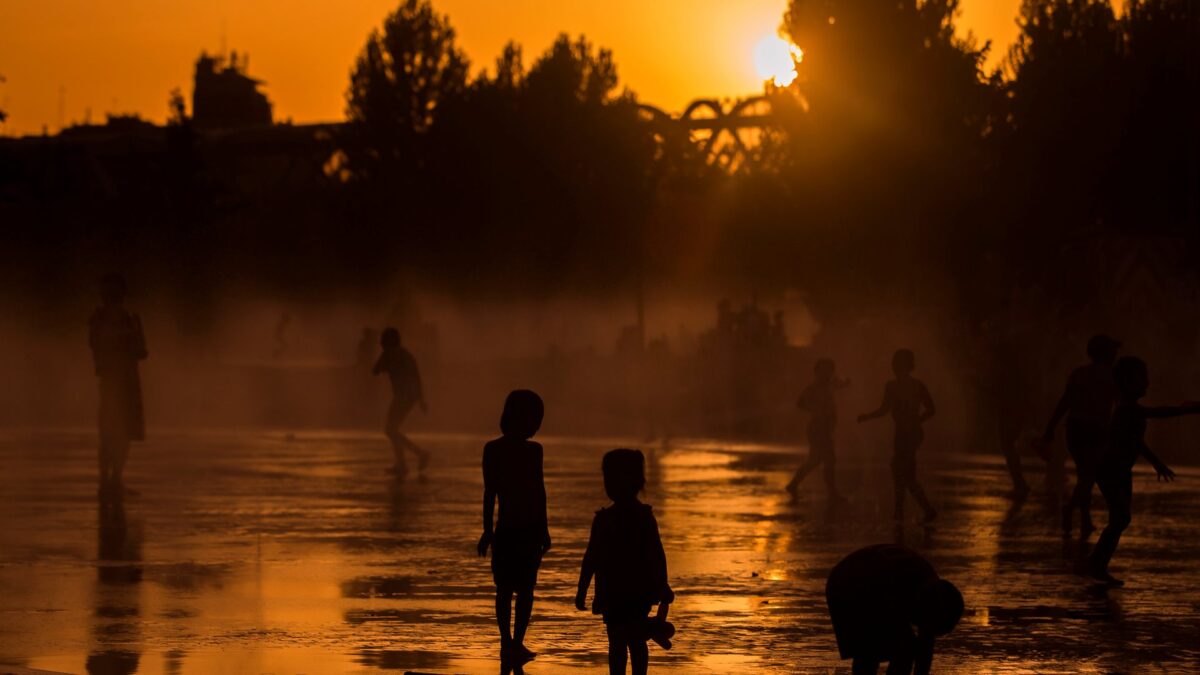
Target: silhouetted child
(1087, 404)
(118, 343)
(625, 554)
(909, 402)
(512, 475)
(876, 596)
(1126, 443)
(1012, 390)
(817, 399)
(401, 368)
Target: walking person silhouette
(1126, 443)
(908, 401)
(625, 555)
(818, 400)
(118, 343)
(877, 596)
(1087, 404)
(512, 476)
(401, 369)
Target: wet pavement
(266, 553)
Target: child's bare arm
(1164, 472)
(884, 408)
(586, 571)
(489, 505)
(380, 364)
(927, 403)
(1060, 410)
(1168, 411)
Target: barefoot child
(909, 402)
(817, 399)
(626, 556)
(512, 475)
(1126, 443)
(401, 368)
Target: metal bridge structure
(715, 133)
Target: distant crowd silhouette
(886, 602)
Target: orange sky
(126, 55)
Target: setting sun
(775, 59)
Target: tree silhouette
(405, 73)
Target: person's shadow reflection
(116, 620)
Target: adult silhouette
(118, 343)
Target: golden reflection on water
(256, 554)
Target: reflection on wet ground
(263, 553)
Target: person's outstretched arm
(927, 403)
(1164, 472)
(1064, 404)
(381, 364)
(586, 571)
(1168, 411)
(489, 505)
(883, 409)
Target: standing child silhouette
(512, 475)
(1126, 443)
(625, 555)
(909, 402)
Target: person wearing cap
(887, 603)
(117, 343)
(1087, 404)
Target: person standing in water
(118, 343)
(1087, 404)
(512, 475)
(817, 399)
(401, 369)
(625, 556)
(1126, 443)
(909, 402)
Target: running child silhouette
(512, 475)
(1087, 403)
(817, 399)
(401, 368)
(909, 402)
(1126, 443)
(625, 555)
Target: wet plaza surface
(266, 553)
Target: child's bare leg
(504, 615)
(617, 644)
(801, 473)
(639, 657)
(397, 440)
(901, 664)
(524, 611)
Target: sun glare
(775, 59)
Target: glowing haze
(66, 60)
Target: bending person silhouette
(818, 400)
(401, 368)
(118, 343)
(877, 596)
(1127, 443)
(1087, 404)
(908, 401)
(512, 475)
(625, 555)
